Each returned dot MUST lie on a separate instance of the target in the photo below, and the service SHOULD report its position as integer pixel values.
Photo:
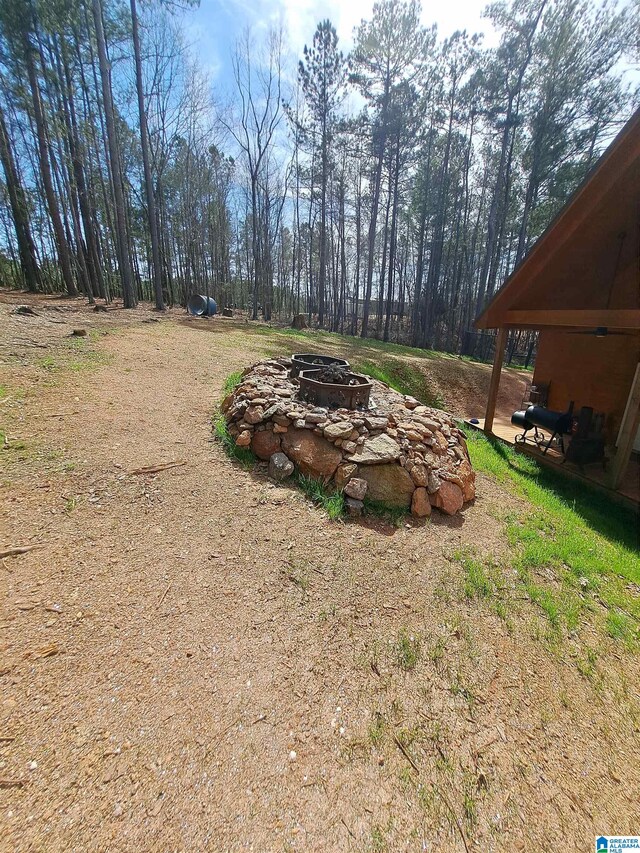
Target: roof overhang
(584, 237)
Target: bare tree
(253, 125)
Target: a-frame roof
(584, 270)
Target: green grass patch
(332, 502)
(574, 550)
(370, 356)
(403, 378)
(74, 354)
(477, 583)
(240, 454)
(318, 337)
(377, 729)
(407, 650)
(231, 382)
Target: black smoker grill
(557, 423)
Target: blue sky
(214, 27)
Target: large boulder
(390, 484)
(313, 455)
(376, 451)
(449, 498)
(265, 443)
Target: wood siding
(592, 371)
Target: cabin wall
(590, 371)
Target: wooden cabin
(579, 286)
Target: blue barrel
(199, 306)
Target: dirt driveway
(200, 660)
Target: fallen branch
(346, 826)
(153, 469)
(405, 752)
(445, 800)
(11, 783)
(47, 651)
(164, 595)
(19, 549)
(221, 734)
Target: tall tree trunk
(146, 162)
(19, 211)
(122, 242)
(392, 242)
(64, 255)
(371, 239)
(322, 272)
(356, 295)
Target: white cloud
(302, 16)
(220, 22)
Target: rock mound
(398, 451)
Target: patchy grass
(575, 552)
(477, 582)
(315, 490)
(469, 801)
(320, 337)
(378, 839)
(240, 454)
(368, 355)
(298, 574)
(75, 355)
(407, 650)
(377, 730)
(401, 377)
(231, 382)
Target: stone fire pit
(397, 452)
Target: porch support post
(627, 434)
(501, 342)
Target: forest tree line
(385, 192)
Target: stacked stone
(400, 453)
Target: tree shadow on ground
(599, 511)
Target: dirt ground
(200, 660)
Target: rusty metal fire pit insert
(332, 395)
(307, 361)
